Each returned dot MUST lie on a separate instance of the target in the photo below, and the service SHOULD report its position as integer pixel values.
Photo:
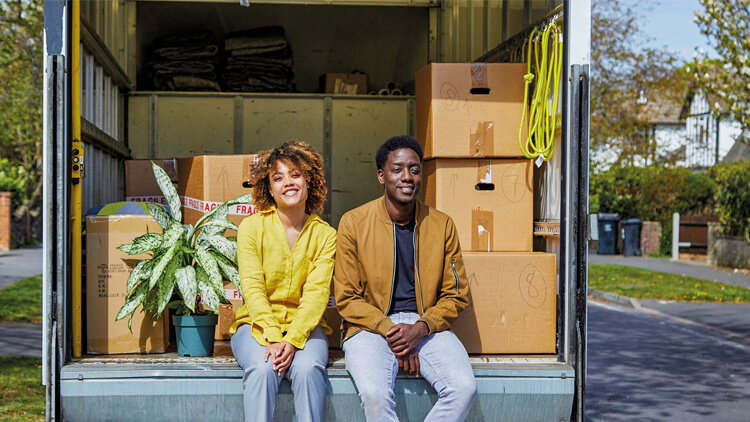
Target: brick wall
(650, 234)
(5, 221)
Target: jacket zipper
(453, 264)
(416, 269)
(393, 277)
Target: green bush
(665, 240)
(733, 198)
(13, 180)
(652, 193)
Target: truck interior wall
(387, 43)
(471, 28)
(110, 20)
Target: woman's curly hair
(295, 154)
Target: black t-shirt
(404, 295)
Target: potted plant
(188, 264)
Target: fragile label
(206, 206)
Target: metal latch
(593, 227)
(77, 159)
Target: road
(20, 263)
(643, 367)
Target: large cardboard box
(226, 312)
(207, 181)
(512, 303)
(107, 271)
(140, 184)
(333, 319)
(490, 201)
(470, 109)
(344, 83)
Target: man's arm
(454, 290)
(347, 284)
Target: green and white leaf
(160, 264)
(207, 261)
(140, 272)
(173, 233)
(188, 230)
(167, 188)
(146, 243)
(125, 248)
(166, 283)
(208, 294)
(244, 199)
(187, 286)
(215, 228)
(229, 270)
(223, 246)
(135, 299)
(221, 210)
(160, 214)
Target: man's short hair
(394, 143)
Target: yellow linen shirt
(285, 292)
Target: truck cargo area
(127, 113)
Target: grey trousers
(261, 383)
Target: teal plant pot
(195, 334)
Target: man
(399, 283)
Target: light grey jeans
(443, 362)
(307, 374)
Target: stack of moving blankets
(258, 60)
(185, 62)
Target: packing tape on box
(206, 206)
(484, 172)
(170, 167)
(479, 76)
(482, 142)
(481, 230)
(248, 162)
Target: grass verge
(21, 389)
(644, 284)
(22, 301)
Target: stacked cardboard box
(207, 181)
(140, 184)
(107, 271)
(468, 120)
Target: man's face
(401, 176)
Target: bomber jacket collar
(382, 212)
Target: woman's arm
(315, 294)
(253, 280)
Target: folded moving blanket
(256, 41)
(188, 53)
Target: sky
(671, 24)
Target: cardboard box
(333, 319)
(226, 312)
(107, 271)
(344, 83)
(469, 110)
(140, 184)
(512, 303)
(207, 181)
(490, 201)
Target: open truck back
(95, 68)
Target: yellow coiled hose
(548, 54)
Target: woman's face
(288, 186)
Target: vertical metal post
(77, 153)
(716, 154)
(328, 154)
(676, 236)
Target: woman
(285, 255)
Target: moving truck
(104, 107)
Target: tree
(21, 55)
(624, 73)
(725, 23)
